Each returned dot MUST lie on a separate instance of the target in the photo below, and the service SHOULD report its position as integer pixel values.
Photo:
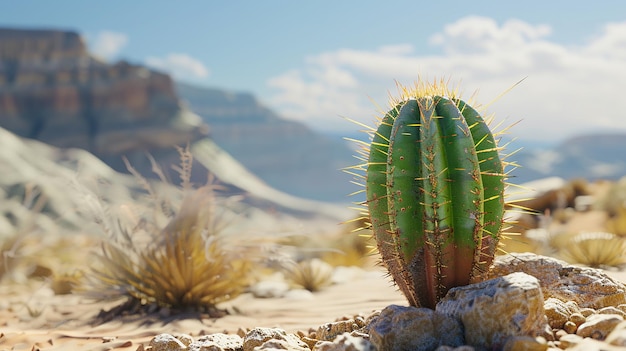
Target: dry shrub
(594, 249)
(312, 275)
(185, 264)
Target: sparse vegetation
(595, 249)
(312, 275)
(183, 264)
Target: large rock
(399, 328)
(495, 310)
(588, 287)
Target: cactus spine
(435, 193)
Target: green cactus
(435, 193)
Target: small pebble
(577, 319)
(570, 327)
(569, 340)
(586, 312)
(611, 310)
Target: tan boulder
(588, 287)
(495, 310)
(400, 328)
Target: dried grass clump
(185, 264)
(312, 275)
(595, 249)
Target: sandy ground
(33, 318)
(66, 322)
(42, 321)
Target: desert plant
(595, 249)
(434, 184)
(312, 275)
(184, 264)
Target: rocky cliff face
(53, 90)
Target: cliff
(53, 90)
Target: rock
(450, 348)
(588, 344)
(588, 287)
(577, 319)
(399, 328)
(558, 312)
(185, 339)
(53, 90)
(495, 310)
(586, 312)
(299, 294)
(329, 331)
(570, 327)
(569, 340)
(344, 274)
(166, 342)
(345, 342)
(617, 336)
(524, 343)
(598, 326)
(549, 193)
(275, 344)
(611, 310)
(269, 289)
(218, 342)
(258, 336)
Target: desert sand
(68, 322)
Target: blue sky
(317, 61)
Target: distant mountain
(593, 156)
(53, 90)
(285, 154)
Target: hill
(285, 154)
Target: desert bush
(594, 249)
(181, 262)
(312, 275)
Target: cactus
(434, 184)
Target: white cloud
(569, 89)
(181, 66)
(107, 44)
